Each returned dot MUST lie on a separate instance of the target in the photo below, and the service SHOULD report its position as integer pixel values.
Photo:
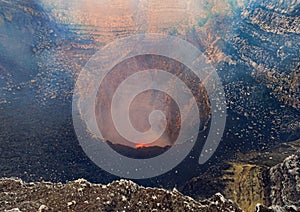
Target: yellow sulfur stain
(245, 185)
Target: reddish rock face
(112, 19)
(105, 21)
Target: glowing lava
(140, 146)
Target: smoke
(145, 103)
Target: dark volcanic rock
(81, 195)
(260, 51)
(266, 42)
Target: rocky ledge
(16, 195)
(80, 195)
(285, 182)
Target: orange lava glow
(139, 146)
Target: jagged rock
(254, 179)
(266, 39)
(267, 42)
(81, 195)
(219, 203)
(285, 182)
(262, 208)
(13, 210)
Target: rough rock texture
(262, 208)
(245, 185)
(80, 195)
(260, 48)
(280, 29)
(249, 184)
(61, 49)
(285, 182)
(267, 43)
(284, 190)
(269, 177)
(279, 185)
